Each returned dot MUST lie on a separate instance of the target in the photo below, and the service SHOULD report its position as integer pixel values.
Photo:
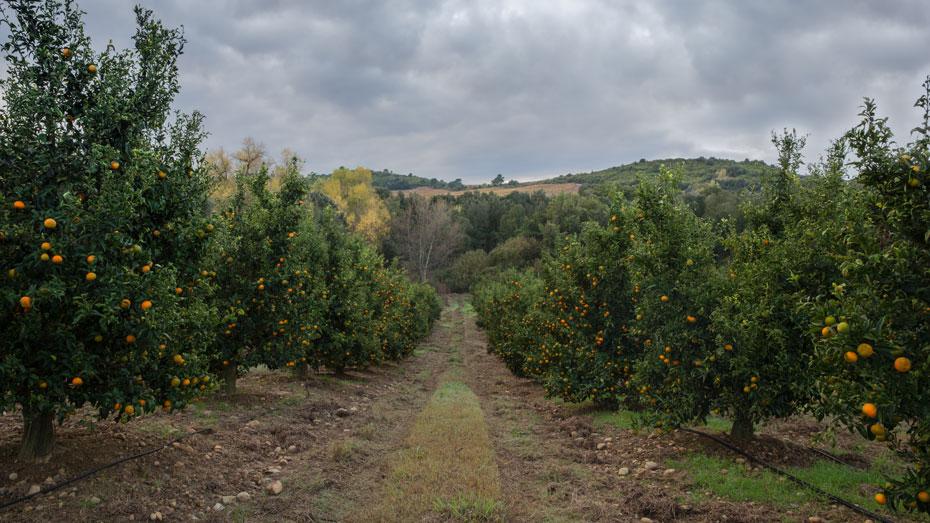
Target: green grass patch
(469, 310)
(343, 450)
(767, 487)
(291, 401)
(240, 514)
(717, 424)
(161, 429)
(621, 419)
(469, 508)
(628, 420)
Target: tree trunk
(300, 371)
(742, 427)
(229, 378)
(38, 436)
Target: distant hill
(713, 187)
(399, 182)
(550, 189)
(697, 174)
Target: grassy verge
(447, 466)
(624, 419)
(739, 484)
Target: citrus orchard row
(125, 287)
(817, 303)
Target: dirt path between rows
(370, 446)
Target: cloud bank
(471, 88)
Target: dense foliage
(816, 301)
(122, 289)
(101, 204)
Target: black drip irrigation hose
(832, 457)
(95, 470)
(836, 499)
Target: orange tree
(676, 283)
(347, 335)
(761, 354)
(423, 305)
(507, 305)
(369, 311)
(404, 311)
(267, 290)
(873, 340)
(569, 327)
(93, 242)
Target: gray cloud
(470, 88)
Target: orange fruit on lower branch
(114, 165)
(25, 302)
(923, 496)
(865, 350)
(851, 357)
(90, 276)
(50, 223)
(57, 259)
(902, 364)
(880, 498)
(130, 339)
(146, 305)
(77, 381)
(869, 410)
(91, 258)
(19, 205)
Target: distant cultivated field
(548, 188)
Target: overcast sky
(533, 88)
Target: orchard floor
(446, 435)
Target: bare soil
(330, 441)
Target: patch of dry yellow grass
(446, 470)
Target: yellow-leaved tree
(353, 192)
